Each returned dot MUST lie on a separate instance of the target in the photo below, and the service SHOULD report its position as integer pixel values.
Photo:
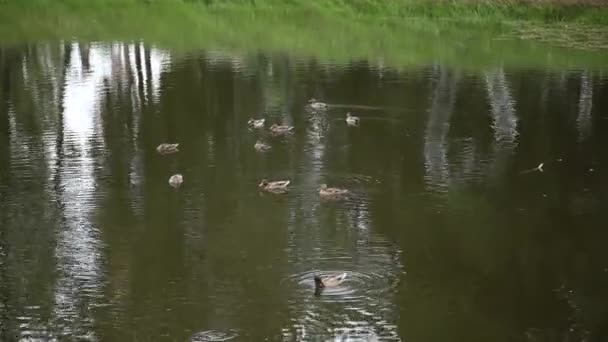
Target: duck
(261, 146)
(167, 148)
(352, 120)
(259, 123)
(280, 129)
(278, 187)
(324, 191)
(316, 105)
(333, 280)
(176, 180)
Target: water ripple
(359, 309)
(351, 289)
(214, 335)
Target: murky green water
(449, 233)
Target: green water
(449, 232)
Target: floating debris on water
(539, 168)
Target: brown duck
(167, 148)
(277, 187)
(328, 281)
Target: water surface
(450, 233)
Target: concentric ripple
(354, 287)
(214, 336)
(359, 309)
(336, 240)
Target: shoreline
(241, 28)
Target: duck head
(319, 286)
(323, 187)
(319, 283)
(263, 183)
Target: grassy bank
(469, 10)
(548, 11)
(316, 28)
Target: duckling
(352, 120)
(167, 148)
(280, 129)
(261, 146)
(328, 281)
(316, 105)
(176, 180)
(326, 192)
(277, 187)
(256, 123)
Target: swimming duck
(278, 187)
(316, 105)
(280, 129)
(256, 123)
(328, 281)
(176, 180)
(324, 191)
(352, 120)
(261, 146)
(167, 148)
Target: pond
(476, 208)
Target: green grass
(472, 10)
(327, 29)
(479, 10)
